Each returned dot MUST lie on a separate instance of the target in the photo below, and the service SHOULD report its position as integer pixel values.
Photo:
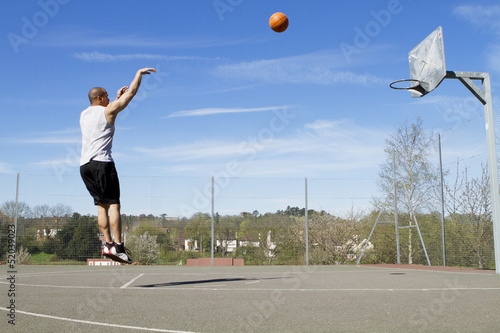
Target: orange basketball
(278, 22)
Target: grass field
(43, 258)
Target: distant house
(232, 245)
(46, 233)
(190, 245)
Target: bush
(49, 246)
(144, 248)
(22, 255)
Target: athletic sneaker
(106, 249)
(121, 254)
(116, 253)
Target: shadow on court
(203, 282)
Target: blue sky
(231, 97)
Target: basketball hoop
(414, 87)
(427, 66)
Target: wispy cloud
(63, 136)
(486, 18)
(43, 102)
(480, 16)
(97, 56)
(4, 168)
(212, 111)
(68, 161)
(493, 58)
(326, 67)
(194, 151)
(320, 147)
(49, 140)
(70, 37)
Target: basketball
(278, 22)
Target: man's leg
(116, 225)
(103, 221)
(115, 221)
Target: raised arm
(125, 95)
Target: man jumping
(97, 168)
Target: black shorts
(101, 180)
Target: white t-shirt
(97, 135)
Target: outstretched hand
(125, 95)
(147, 71)
(121, 91)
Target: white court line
(401, 270)
(262, 289)
(131, 281)
(316, 290)
(96, 323)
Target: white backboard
(427, 63)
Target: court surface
(249, 299)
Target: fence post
(212, 238)
(395, 205)
(307, 226)
(442, 199)
(16, 214)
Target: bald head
(96, 92)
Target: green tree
(226, 230)
(155, 228)
(199, 229)
(79, 239)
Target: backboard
(427, 64)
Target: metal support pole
(395, 206)
(493, 169)
(421, 239)
(442, 199)
(307, 226)
(212, 238)
(484, 96)
(369, 237)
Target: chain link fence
(263, 220)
